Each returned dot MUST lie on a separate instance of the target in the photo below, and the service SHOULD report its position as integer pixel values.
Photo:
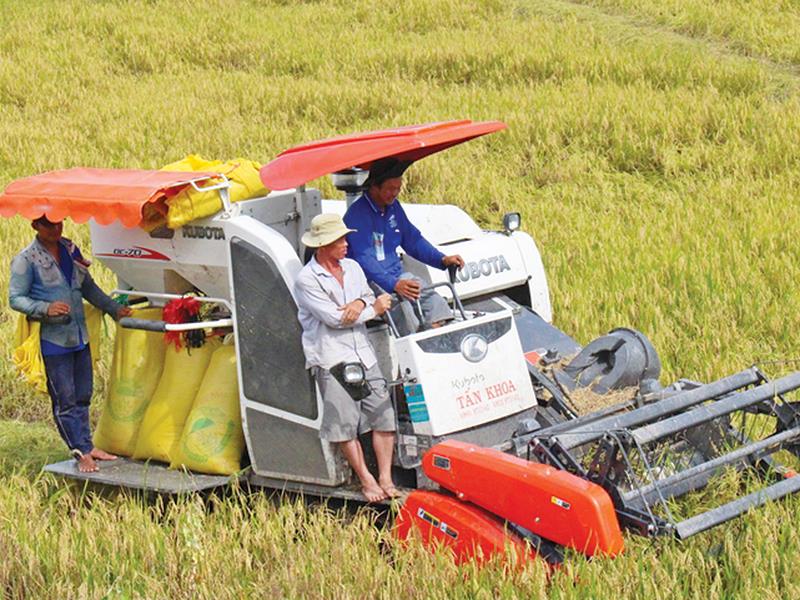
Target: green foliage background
(652, 150)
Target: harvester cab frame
(488, 432)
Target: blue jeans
(69, 383)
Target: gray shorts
(343, 418)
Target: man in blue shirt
(382, 226)
(49, 281)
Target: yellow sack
(190, 204)
(212, 440)
(135, 372)
(245, 179)
(171, 402)
(94, 322)
(27, 353)
(193, 162)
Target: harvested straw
(586, 401)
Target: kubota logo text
(202, 233)
(483, 268)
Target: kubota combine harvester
(489, 444)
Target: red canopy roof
(303, 163)
(103, 194)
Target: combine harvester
(489, 444)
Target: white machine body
(494, 261)
(472, 374)
(195, 256)
(249, 256)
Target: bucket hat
(325, 228)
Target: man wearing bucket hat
(382, 226)
(334, 303)
(49, 281)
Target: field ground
(652, 150)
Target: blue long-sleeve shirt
(374, 244)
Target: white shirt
(319, 295)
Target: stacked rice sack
(172, 400)
(178, 406)
(135, 372)
(212, 440)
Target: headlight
(511, 222)
(474, 347)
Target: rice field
(652, 151)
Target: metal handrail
(418, 306)
(166, 296)
(225, 183)
(153, 325)
(456, 297)
(223, 187)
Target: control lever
(451, 271)
(416, 307)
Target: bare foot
(373, 492)
(370, 488)
(86, 464)
(98, 454)
(389, 489)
